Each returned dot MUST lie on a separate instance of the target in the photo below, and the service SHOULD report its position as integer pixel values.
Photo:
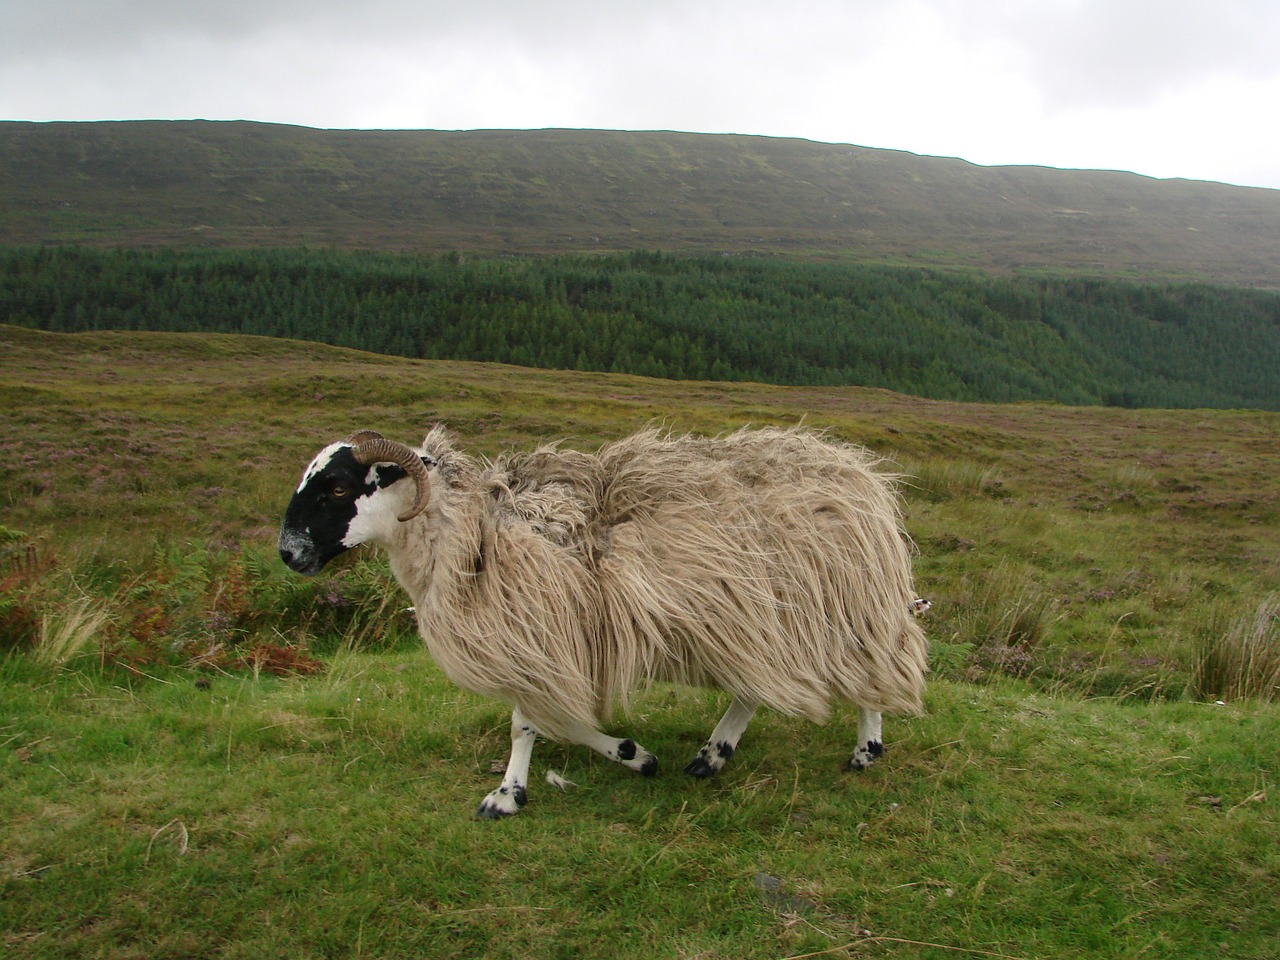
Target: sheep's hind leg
(510, 796)
(716, 752)
(626, 751)
(870, 746)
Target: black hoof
(700, 768)
(650, 767)
(489, 810)
(865, 756)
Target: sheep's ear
(389, 473)
(385, 474)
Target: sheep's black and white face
(339, 504)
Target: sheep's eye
(340, 492)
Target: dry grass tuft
(1241, 662)
(70, 633)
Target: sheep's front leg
(716, 752)
(510, 796)
(870, 745)
(626, 752)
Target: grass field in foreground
(330, 817)
(1078, 800)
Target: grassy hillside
(570, 191)
(1132, 528)
(1072, 791)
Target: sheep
(770, 563)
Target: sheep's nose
(287, 556)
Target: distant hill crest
(552, 191)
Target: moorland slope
(572, 191)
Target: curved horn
(370, 448)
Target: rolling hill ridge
(239, 184)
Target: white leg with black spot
(510, 796)
(624, 751)
(870, 744)
(715, 753)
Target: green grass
(331, 817)
(165, 794)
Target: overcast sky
(1166, 88)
